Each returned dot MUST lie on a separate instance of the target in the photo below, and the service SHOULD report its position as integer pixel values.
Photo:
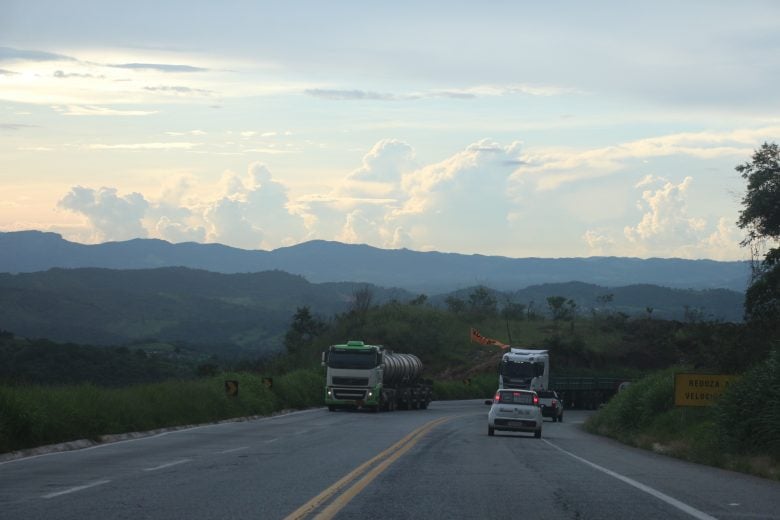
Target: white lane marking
(269, 441)
(77, 488)
(168, 464)
(642, 487)
(235, 449)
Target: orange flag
(476, 337)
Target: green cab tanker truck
(374, 378)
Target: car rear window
(510, 397)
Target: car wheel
(538, 433)
(491, 431)
(554, 418)
(560, 419)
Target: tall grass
(37, 415)
(481, 386)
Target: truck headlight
(330, 392)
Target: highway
(424, 464)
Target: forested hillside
(237, 314)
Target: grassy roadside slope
(38, 415)
(738, 433)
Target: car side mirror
(489, 402)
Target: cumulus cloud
(250, 211)
(665, 219)
(666, 227)
(390, 201)
(178, 231)
(253, 211)
(599, 244)
(112, 217)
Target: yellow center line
(396, 450)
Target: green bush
(481, 386)
(748, 413)
(637, 406)
(301, 388)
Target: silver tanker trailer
(374, 378)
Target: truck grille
(349, 394)
(350, 381)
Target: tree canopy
(760, 217)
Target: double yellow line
(379, 463)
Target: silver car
(515, 411)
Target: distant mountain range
(249, 313)
(321, 261)
(228, 313)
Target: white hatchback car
(515, 411)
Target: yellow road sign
(700, 389)
(231, 387)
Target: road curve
(435, 463)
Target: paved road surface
(433, 464)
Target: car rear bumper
(516, 425)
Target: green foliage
(301, 388)
(46, 362)
(760, 217)
(748, 414)
(481, 386)
(761, 204)
(36, 415)
(304, 328)
(482, 303)
(633, 409)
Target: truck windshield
(517, 369)
(352, 359)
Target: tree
(303, 329)
(482, 303)
(556, 305)
(760, 217)
(455, 305)
(361, 300)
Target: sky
(514, 128)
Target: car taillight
(554, 403)
(497, 398)
(536, 399)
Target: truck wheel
(538, 433)
(331, 408)
(491, 431)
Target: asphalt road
(426, 464)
